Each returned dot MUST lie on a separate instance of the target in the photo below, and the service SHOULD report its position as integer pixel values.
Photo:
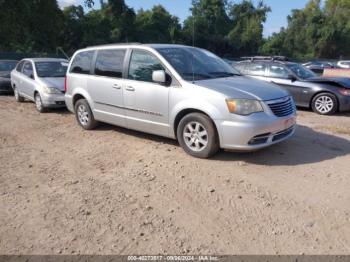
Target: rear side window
(142, 65)
(20, 66)
(278, 71)
(110, 63)
(255, 69)
(82, 63)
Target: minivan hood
(338, 81)
(57, 82)
(244, 87)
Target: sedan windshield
(6, 66)
(51, 69)
(196, 64)
(301, 71)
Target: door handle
(116, 86)
(129, 88)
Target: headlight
(51, 90)
(244, 106)
(345, 92)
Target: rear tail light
(65, 84)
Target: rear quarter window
(81, 63)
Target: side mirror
(159, 77)
(292, 78)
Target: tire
(18, 97)
(84, 115)
(39, 104)
(324, 104)
(197, 135)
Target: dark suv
(324, 95)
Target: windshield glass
(301, 71)
(51, 69)
(7, 65)
(196, 64)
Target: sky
(180, 8)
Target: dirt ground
(114, 191)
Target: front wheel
(39, 103)
(325, 104)
(197, 135)
(84, 115)
(18, 97)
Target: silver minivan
(180, 92)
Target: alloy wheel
(83, 115)
(195, 136)
(324, 104)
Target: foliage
(233, 29)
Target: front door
(146, 102)
(279, 75)
(27, 81)
(105, 86)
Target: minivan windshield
(51, 68)
(196, 64)
(301, 71)
(7, 66)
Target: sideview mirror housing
(292, 77)
(159, 76)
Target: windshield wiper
(224, 74)
(202, 76)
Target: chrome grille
(282, 107)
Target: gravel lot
(115, 191)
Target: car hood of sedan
(57, 82)
(244, 88)
(339, 81)
(5, 74)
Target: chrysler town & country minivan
(180, 92)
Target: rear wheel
(39, 104)
(197, 135)
(18, 97)
(84, 115)
(325, 104)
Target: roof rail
(113, 44)
(271, 58)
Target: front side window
(278, 71)
(28, 69)
(142, 65)
(110, 63)
(256, 69)
(51, 69)
(20, 66)
(196, 64)
(301, 71)
(82, 63)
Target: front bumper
(53, 100)
(255, 132)
(5, 85)
(344, 103)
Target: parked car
(6, 66)
(181, 92)
(324, 95)
(344, 64)
(40, 80)
(318, 67)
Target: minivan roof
(155, 46)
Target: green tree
(157, 25)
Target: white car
(344, 64)
(40, 80)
